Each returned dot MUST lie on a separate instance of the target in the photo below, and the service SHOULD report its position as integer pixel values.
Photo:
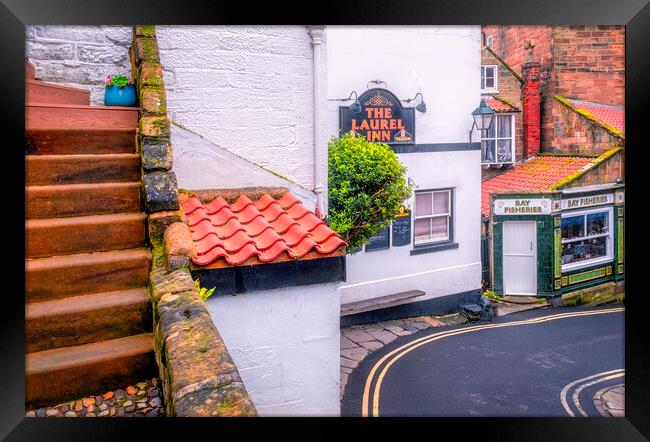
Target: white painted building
(443, 64)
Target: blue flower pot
(117, 96)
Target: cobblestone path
(141, 399)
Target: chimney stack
(531, 100)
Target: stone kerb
(160, 189)
(198, 375)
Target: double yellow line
(582, 384)
(389, 359)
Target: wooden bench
(379, 303)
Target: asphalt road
(537, 363)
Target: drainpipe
(317, 33)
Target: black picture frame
(635, 14)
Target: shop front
(546, 244)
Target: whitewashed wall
(442, 63)
(200, 164)
(286, 345)
(383, 272)
(248, 90)
(79, 56)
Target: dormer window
(489, 78)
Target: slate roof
(499, 105)
(538, 173)
(250, 232)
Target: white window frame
(609, 245)
(496, 78)
(512, 138)
(448, 238)
(489, 41)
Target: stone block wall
(245, 89)
(589, 62)
(609, 171)
(508, 43)
(574, 134)
(79, 56)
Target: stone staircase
(88, 313)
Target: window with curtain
(497, 143)
(432, 216)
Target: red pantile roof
(498, 105)
(613, 116)
(538, 173)
(254, 232)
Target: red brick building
(567, 82)
(585, 63)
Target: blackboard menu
(402, 228)
(380, 241)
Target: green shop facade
(549, 243)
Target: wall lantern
(356, 106)
(483, 117)
(422, 107)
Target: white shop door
(520, 258)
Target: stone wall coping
(160, 189)
(199, 377)
(231, 195)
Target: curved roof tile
(263, 230)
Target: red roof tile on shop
(267, 229)
(613, 116)
(498, 105)
(538, 173)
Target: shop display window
(586, 238)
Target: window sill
(491, 163)
(430, 248)
(584, 264)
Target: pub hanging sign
(382, 118)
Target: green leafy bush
(367, 185)
(205, 293)
(491, 295)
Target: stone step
(81, 199)
(79, 117)
(43, 170)
(41, 92)
(81, 234)
(84, 273)
(62, 374)
(88, 318)
(79, 141)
